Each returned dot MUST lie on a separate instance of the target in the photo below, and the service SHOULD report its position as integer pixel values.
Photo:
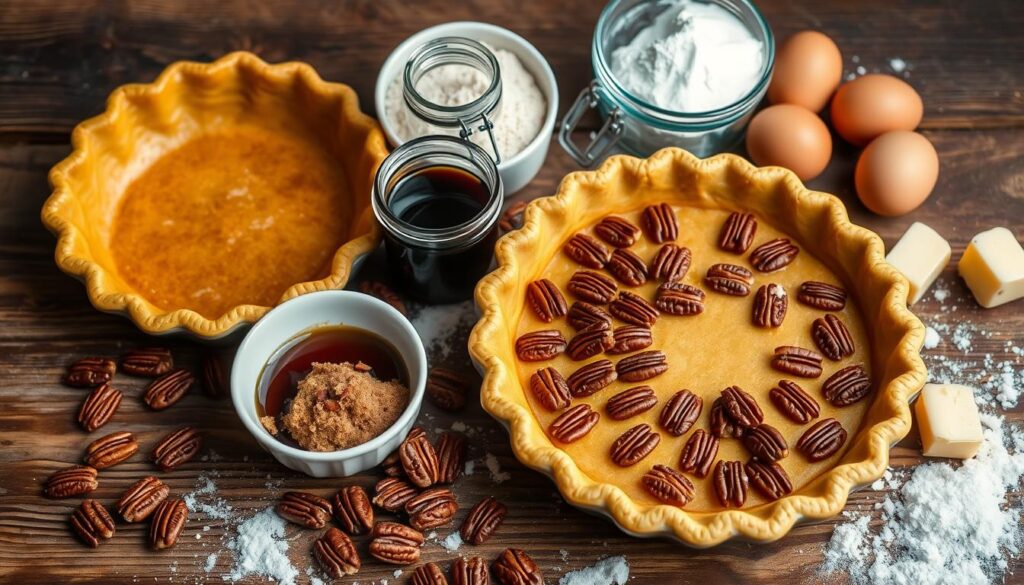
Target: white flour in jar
(694, 57)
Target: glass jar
(438, 200)
(639, 127)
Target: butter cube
(993, 267)
(947, 417)
(920, 255)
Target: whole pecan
(169, 520)
(737, 233)
(471, 571)
(546, 300)
(419, 460)
(92, 523)
(142, 498)
(741, 407)
(729, 279)
(592, 287)
(630, 338)
(168, 389)
(590, 378)
(797, 361)
(821, 295)
(428, 574)
(99, 407)
(766, 443)
(392, 465)
(730, 481)
(573, 424)
(634, 444)
(304, 509)
(71, 481)
(590, 341)
(352, 509)
(336, 554)
(770, 303)
(722, 426)
(514, 567)
(483, 519)
(617, 231)
(676, 298)
(512, 218)
(699, 453)
(177, 448)
(384, 293)
(587, 251)
(773, 255)
(627, 267)
(631, 402)
(660, 223)
(642, 366)
(550, 389)
(582, 315)
(633, 309)
(671, 263)
(680, 412)
(396, 543)
(90, 371)
(215, 376)
(797, 405)
(447, 389)
(822, 440)
(769, 478)
(668, 485)
(847, 386)
(149, 362)
(832, 337)
(451, 456)
(431, 508)
(538, 346)
(111, 449)
(391, 493)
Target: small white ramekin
(515, 171)
(334, 307)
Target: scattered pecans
(168, 389)
(169, 520)
(832, 337)
(99, 407)
(391, 493)
(71, 481)
(730, 481)
(592, 287)
(630, 338)
(111, 449)
(769, 478)
(660, 223)
(148, 362)
(428, 574)
(846, 386)
(336, 554)
(766, 443)
(142, 498)
(582, 314)
(512, 218)
(483, 519)
(680, 412)
(821, 295)
(215, 377)
(676, 298)
(447, 389)
(419, 460)
(634, 309)
(352, 510)
(770, 303)
(590, 378)
(451, 456)
(587, 251)
(671, 263)
(431, 508)
(471, 571)
(797, 361)
(92, 523)
(590, 341)
(90, 372)
(627, 267)
(797, 405)
(515, 567)
(304, 509)
(395, 543)
(631, 402)
(176, 448)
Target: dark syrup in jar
(333, 344)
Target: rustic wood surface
(58, 61)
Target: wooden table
(59, 60)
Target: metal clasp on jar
(605, 138)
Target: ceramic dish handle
(606, 137)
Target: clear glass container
(639, 127)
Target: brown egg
(896, 172)
(808, 68)
(792, 137)
(872, 105)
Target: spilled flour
(609, 571)
(261, 549)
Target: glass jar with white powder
(684, 73)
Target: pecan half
(671, 263)
(419, 460)
(737, 232)
(631, 402)
(471, 571)
(634, 444)
(769, 478)
(633, 309)
(383, 292)
(660, 223)
(447, 389)
(168, 389)
(99, 407)
(139, 500)
(590, 378)
(483, 519)
(515, 567)
(680, 412)
(336, 554)
(352, 509)
(832, 337)
(592, 287)
(90, 372)
(391, 493)
(304, 509)
(770, 303)
(847, 386)
(766, 443)
(676, 298)
(149, 362)
(668, 485)
(111, 449)
(587, 251)
(617, 231)
(773, 255)
(395, 543)
(538, 346)
(730, 480)
(699, 453)
(546, 300)
(169, 520)
(392, 465)
(215, 376)
(821, 295)
(729, 279)
(71, 481)
(822, 440)
(512, 218)
(432, 508)
(805, 363)
(590, 341)
(451, 456)
(630, 338)
(573, 424)
(177, 448)
(92, 523)
(627, 267)
(797, 405)
(722, 426)
(428, 574)
(642, 366)
(550, 389)
(582, 315)
(741, 407)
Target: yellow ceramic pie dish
(706, 352)
(197, 202)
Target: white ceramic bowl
(515, 171)
(333, 307)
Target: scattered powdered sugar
(897, 65)
(932, 339)
(494, 466)
(470, 467)
(452, 542)
(609, 571)
(437, 324)
(204, 499)
(261, 549)
(211, 562)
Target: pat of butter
(947, 417)
(993, 267)
(920, 255)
